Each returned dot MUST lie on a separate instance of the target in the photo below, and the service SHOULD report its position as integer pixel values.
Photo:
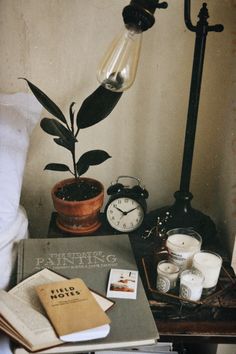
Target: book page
(21, 308)
(29, 323)
(25, 290)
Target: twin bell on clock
(126, 207)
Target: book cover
(91, 258)
(73, 311)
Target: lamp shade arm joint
(216, 28)
(187, 17)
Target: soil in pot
(78, 191)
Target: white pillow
(4, 344)
(19, 114)
(8, 248)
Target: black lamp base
(181, 214)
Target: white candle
(209, 263)
(182, 244)
(191, 284)
(167, 274)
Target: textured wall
(57, 44)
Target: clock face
(125, 214)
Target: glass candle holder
(209, 263)
(182, 244)
(191, 284)
(167, 275)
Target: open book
(22, 316)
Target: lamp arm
(187, 17)
(188, 22)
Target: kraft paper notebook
(91, 258)
(73, 311)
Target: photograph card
(122, 284)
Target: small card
(122, 284)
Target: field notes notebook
(73, 311)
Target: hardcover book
(91, 258)
(73, 311)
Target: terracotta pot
(78, 217)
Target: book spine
(20, 263)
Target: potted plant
(78, 200)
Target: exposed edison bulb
(118, 68)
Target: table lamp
(117, 73)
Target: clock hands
(129, 211)
(126, 212)
(123, 212)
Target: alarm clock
(126, 207)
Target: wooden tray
(226, 282)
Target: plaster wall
(226, 348)
(57, 44)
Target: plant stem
(74, 162)
(77, 132)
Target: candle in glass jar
(191, 284)
(182, 244)
(167, 274)
(209, 263)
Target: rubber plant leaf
(96, 107)
(56, 167)
(91, 158)
(72, 115)
(67, 144)
(46, 102)
(54, 127)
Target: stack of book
(54, 310)
(158, 348)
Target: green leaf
(91, 158)
(53, 127)
(45, 101)
(56, 167)
(96, 107)
(67, 144)
(72, 116)
(82, 169)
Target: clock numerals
(125, 214)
